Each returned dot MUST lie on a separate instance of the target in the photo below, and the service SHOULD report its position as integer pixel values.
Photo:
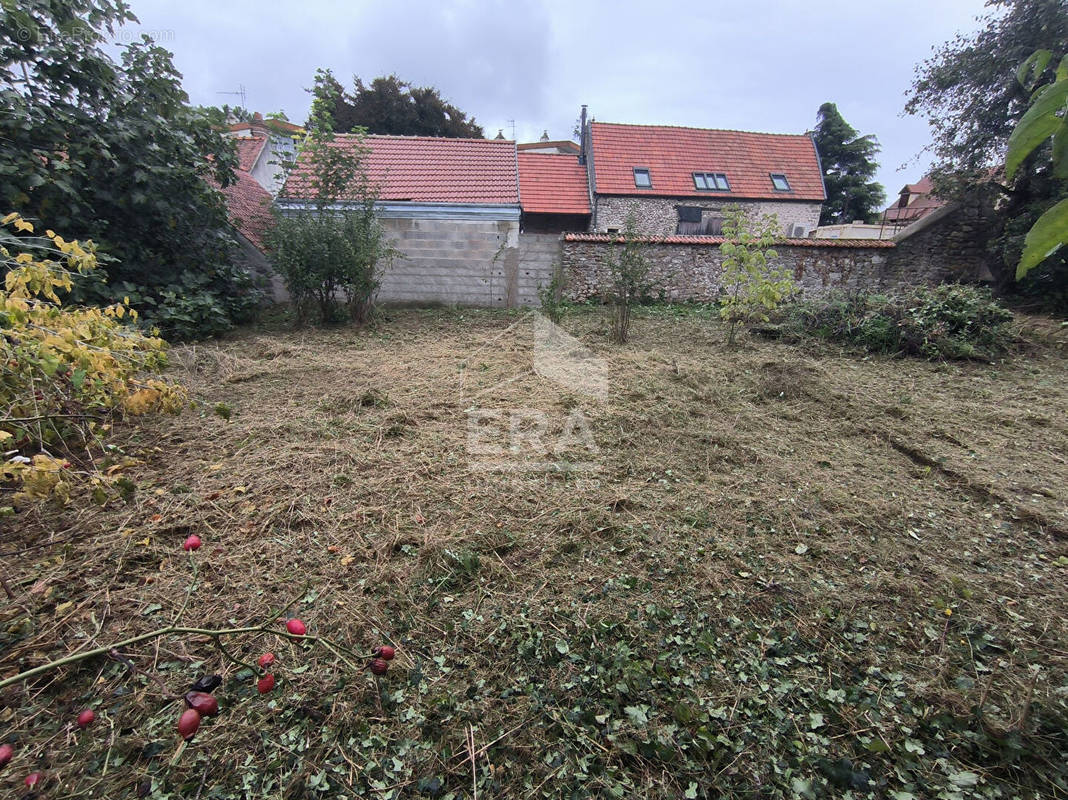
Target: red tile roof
(673, 154)
(718, 240)
(427, 169)
(248, 151)
(919, 202)
(248, 205)
(553, 184)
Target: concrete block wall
(659, 216)
(452, 262)
(538, 255)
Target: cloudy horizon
(763, 65)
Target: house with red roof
(450, 207)
(554, 192)
(678, 180)
(915, 201)
(265, 148)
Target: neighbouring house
(915, 201)
(265, 148)
(678, 180)
(451, 210)
(248, 206)
(553, 193)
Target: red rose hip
(296, 627)
(265, 684)
(6, 752)
(385, 652)
(266, 660)
(191, 543)
(85, 719)
(203, 703)
(379, 666)
(188, 724)
(32, 779)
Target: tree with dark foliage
(114, 153)
(392, 106)
(969, 93)
(848, 162)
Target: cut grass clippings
(781, 571)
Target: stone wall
(947, 245)
(951, 242)
(659, 216)
(694, 270)
(452, 262)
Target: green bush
(950, 322)
(328, 261)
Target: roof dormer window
(711, 181)
(778, 180)
(642, 179)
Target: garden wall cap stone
(710, 241)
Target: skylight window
(711, 181)
(642, 179)
(778, 180)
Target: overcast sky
(760, 65)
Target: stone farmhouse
(487, 221)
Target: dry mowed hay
(778, 566)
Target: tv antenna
(511, 124)
(240, 93)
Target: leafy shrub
(950, 321)
(332, 252)
(629, 284)
(65, 371)
(752, 287)
(113, 152)
(328, 257)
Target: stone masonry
(659, 216)
(945, 246)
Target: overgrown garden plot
(797, 572)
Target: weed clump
(943, 322)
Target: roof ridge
(695, 128)
(424, 138)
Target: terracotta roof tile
(554, 184)
(673, 154)
(427, 169)
(249, 207)
(248, 151)
(718, 240)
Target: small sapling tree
(628, 274)
(329, 257)
(752, 285)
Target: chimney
(582, 135)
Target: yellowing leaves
(74, 367)
(141, 402)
